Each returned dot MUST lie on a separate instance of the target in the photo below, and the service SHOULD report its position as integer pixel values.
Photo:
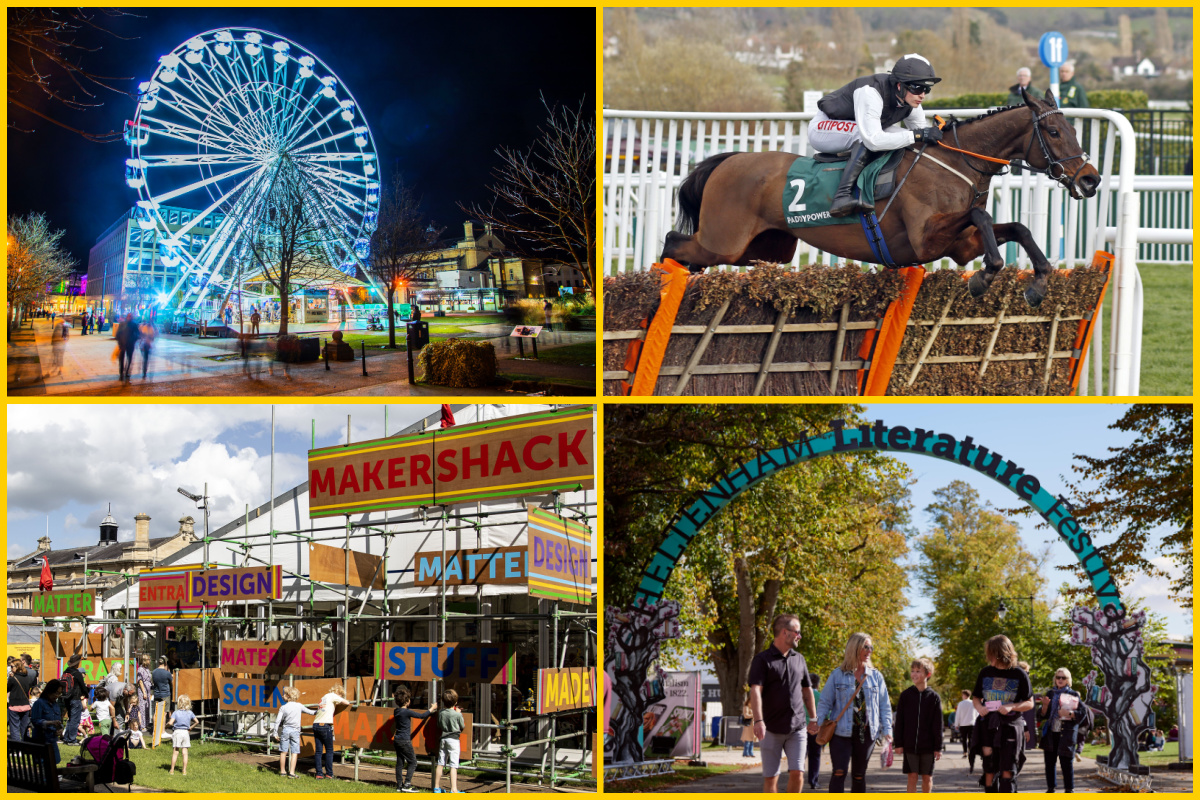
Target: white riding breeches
(835, 135)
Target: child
(104, 711)
(135, 735)
(402, 719)
(287, 729)
(46, 717)
(1001, 695)
(323, 728)
(918, 728)
(450, 725)
(182, 722)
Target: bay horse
(734, 201)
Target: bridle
(1067, 181)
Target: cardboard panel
(80, 603)
(373, 728)
(248, 694)
(474, 662)
(560, 560)
(511, 457)
(494, 565)
(328, 565)
(273, 658)
(192, 683)
(566, 689)
(246, 583)
(57, 645)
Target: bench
(31, 766)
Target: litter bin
(418, 334)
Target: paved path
(188, 366)
(949, 775)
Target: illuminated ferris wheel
(219, 118)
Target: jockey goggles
(919, 88)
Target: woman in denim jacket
(868, 719)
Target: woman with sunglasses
(1061, 711)
(871, 115)
(855, 694)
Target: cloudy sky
(66, 463)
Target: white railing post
(1121, 379)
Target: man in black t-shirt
(780, 694)
(73, 698)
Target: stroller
(112, 756)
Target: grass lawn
(683, 774)
(1166, 330)
(1169, 753)
(582, 354)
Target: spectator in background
(1024, 78)
(161, 685)
(1070, 93)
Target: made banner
(225, 585)
(490, 565)
(474, 662)
(566, 689)
(345, 567)
(273, 658)
(163, 593)
(79, 603)
(560, 557)
(249, 694)
(517, 456)
(373, 728)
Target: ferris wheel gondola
(220, 116)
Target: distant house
(765, 56)
(1128, 67)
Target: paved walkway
(949, 775)
(188, 366)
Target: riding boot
(844, 203)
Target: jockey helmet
(915, 69)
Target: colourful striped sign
(245, 583)
(560, 557)
(566, 689)
(516, 456)
(162, 593)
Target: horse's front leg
(992, 260)
(1016, 232)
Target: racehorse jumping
(733, 200)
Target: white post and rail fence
(1147, 218)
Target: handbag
(829, 726)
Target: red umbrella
(47, 581)
(447, 416)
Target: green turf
(683, 774)
(582, 354)
(1170, 752)
(1166, 331)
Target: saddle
(885, 184)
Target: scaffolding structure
(557, 623)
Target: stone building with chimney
(105, 561)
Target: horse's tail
(691, 191)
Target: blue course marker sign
(1053, 49)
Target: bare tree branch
(36, 261)
(546, 196)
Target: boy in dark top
(402, 718)
(1001, 695)
(918, 727)
(73, 698)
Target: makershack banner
(225, 585)
(273, 658)
(494, 565)
(248, 694)
(474, 662)
(560, 557)
(566, 689)
(373, 728)
(79, 603)
(163, 593)
(511, 457)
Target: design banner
(560, 557)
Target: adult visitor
(19, 704)
(781, 696)
(1024, 83)
(160, 687)
(856, 696)
(75, 686)
(1070, 93)
(964, 719)
(1060, 710)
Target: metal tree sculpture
(1117, 652)
(631, 652)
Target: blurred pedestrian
(1070, 93)
(548, 310)
(58, 344)
(147, 333)
(127, 339)
(1024, 81)
(255, 318)
(228, 316)
(83, 324)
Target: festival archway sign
(1113, 634)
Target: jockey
(864, 117)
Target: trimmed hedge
(1118, 98)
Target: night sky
(440, 89)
